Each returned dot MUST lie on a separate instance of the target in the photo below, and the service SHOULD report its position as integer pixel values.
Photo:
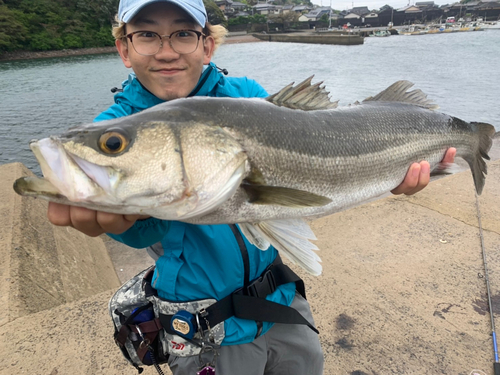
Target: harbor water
(458, 71)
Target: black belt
(249, 302)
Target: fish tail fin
(290, 237)
(485, 134)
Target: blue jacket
(198, 261)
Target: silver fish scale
(349, 154)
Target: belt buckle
(266, 281)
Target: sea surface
(458, 71)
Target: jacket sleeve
(143, 233)
(239, 87)
(256, 90)
(115, 111)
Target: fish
(269, 165)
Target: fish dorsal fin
(303, 96)
(398, 92)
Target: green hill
(42, 25)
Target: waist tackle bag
(147, 327)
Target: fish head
(170, 170)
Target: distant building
(315, 14)
(371, 19)
(386, 15)
(352, 16)
(424, 4)
(410, 14)
(301, 8)
(265, 9)
(229, 7)
(352, 19)
(360, 11)
(241, 14)
(287, 8)
(488, 10)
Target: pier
(342, 38)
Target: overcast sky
(371, 4)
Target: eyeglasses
(148, 43)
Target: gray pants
(284, 349)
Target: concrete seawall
(312, 38)
(402, 292)
(43, 266)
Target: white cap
(195, 8)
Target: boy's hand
(90, 222)
(419, 175)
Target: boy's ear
(208, 48)
(122, 47)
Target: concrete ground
(402, 292)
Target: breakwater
(313, 38)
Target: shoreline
(29, 55)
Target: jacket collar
(136, 96)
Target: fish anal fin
(289, 237)
(282, 196)
(254, 236)
(398, 92)
(304, 96)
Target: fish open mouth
(73, 177)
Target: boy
(169, 46)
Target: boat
(490, 25)
(413, 30)
(380, 33)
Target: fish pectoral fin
(35, 186)
(398, 92)
(290, 237)
(303, 96)
(282, 196)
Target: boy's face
(168, 75)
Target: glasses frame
(198, 33)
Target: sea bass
(264, 164)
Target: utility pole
(330, 16)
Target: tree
(55, 24)
(284, 17)
(215, 15)
(324, 18)
(12, 32)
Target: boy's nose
(166, 51)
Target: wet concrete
(402, 292)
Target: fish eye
(113, 142)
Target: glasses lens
(146, 42)
(184, 41)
